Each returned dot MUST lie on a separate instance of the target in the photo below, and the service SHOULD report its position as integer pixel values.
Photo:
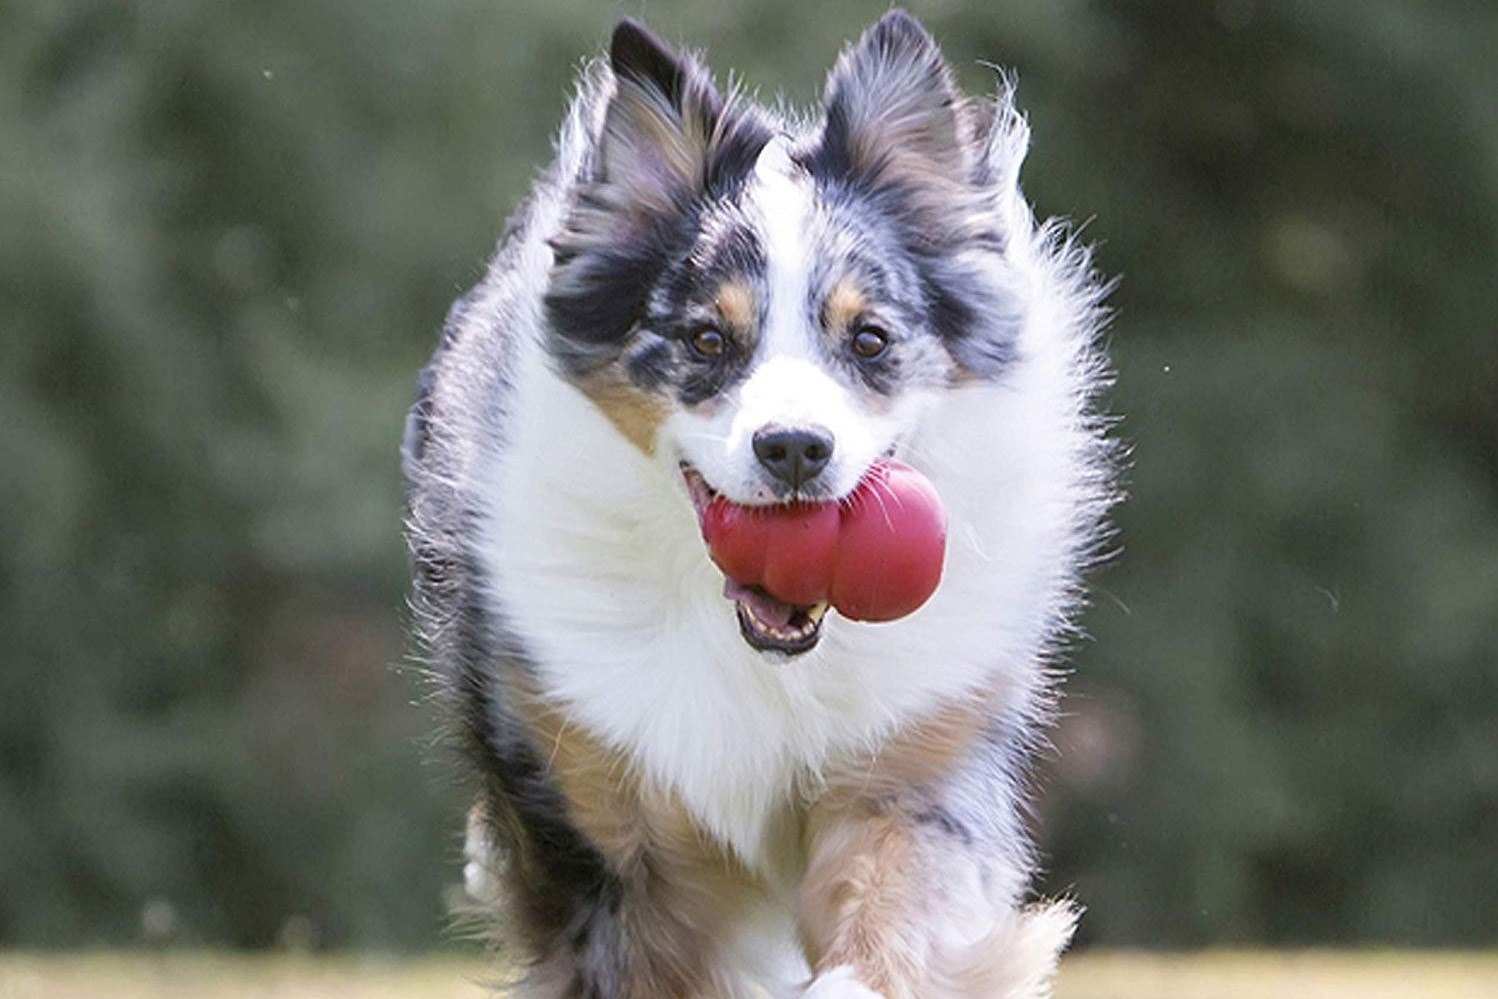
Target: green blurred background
(228, 232)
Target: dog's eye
(870, 342)
(709, 342)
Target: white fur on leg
(839, 983)
(1015, 960)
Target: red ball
(891, 547)
(876, 557)
(803, 546)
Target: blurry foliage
(231, 229)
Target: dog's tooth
(788, 633)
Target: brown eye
(709, 342)
(870, 342)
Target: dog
(686, 794)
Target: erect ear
(661, 123)
(893, 107)
(668, 138)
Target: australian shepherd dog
(687, 789)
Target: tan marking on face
(683, 891)
(636, 413)
(845, 303)
(735, 303)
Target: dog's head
(771, 307)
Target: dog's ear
(661, 123)
(893, 108)
(668, 138)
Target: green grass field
(1110, 975)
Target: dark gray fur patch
(682, 304)
(656, 353)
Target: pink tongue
(765, 607)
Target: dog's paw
(1016, 959)
(839, 983)
(480, 856)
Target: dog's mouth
(767, 624)
(772, 625)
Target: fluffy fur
(665, 808)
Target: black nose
(795, 457)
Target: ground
(1093, 975)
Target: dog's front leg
(897, 906)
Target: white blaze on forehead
(782, 196)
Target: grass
(1093, 975)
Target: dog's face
(796, 346)
(768, 313)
